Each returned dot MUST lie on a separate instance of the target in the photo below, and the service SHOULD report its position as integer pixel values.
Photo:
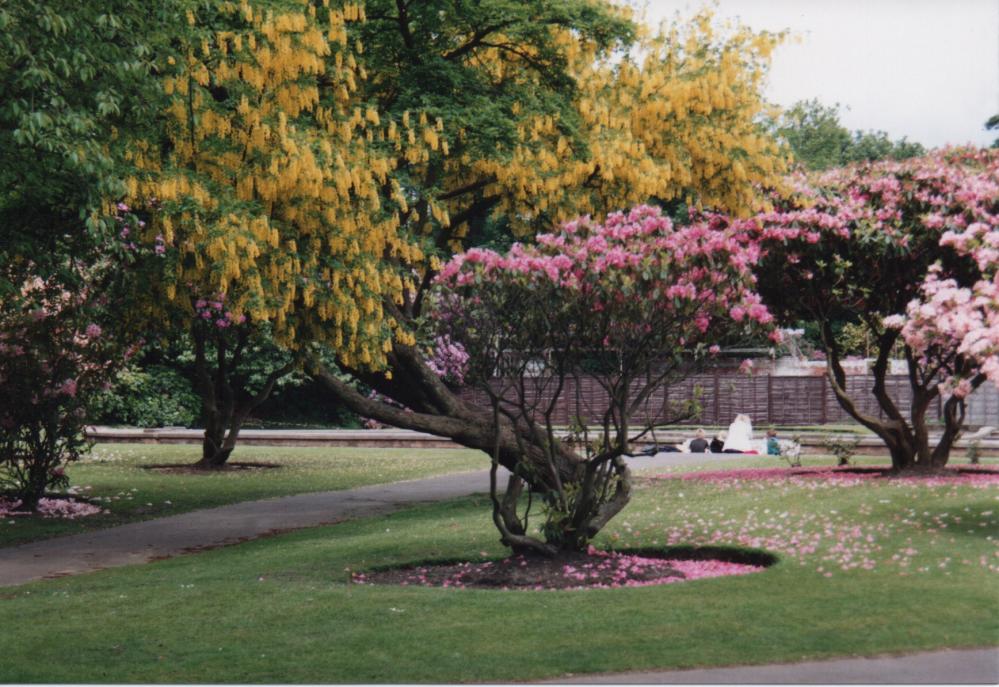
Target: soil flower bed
(594, 569)
(67, 509)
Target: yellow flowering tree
(262, 207)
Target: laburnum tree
(314, 189)
(320, 162)
(633, 301)
(907, 250)
(267, 202)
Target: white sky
(924, 69)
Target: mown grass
(280, 610)
(117, 477)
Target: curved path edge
(141, 542)
(947, 667)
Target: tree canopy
(819, 141)
(910, 241)
(314, 165)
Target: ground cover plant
(119, 480)
(282, 609)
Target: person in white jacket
(740, 436)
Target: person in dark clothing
(698, 444)
(718, 443)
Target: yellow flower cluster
(680, 123)
(272, 190)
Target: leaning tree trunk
(543, 466)
(907, 439)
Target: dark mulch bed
(596, 569)
(190, 469)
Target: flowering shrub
(954, 327)
(908, 250)
(633, 300)
(634, 285)
(53, 359)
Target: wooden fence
(766, 399)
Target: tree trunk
(224, 407)
(545, 467)
(216, 448)
(908, 442)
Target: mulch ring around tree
(191, 469)
(591, 570)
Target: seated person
(740, 436)
(773, 443)
(698, 444)
(654, 449)
(718, 443)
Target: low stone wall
(812, 442)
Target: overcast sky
(924, 69)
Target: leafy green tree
(814, 134)
(819, 141)
(993, 123)
(77, 82)
(76, 78)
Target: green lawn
(117, 474)
(279, 609)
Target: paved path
(141, 542)
(949, 667)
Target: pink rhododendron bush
(908, 250)
(593, 570)
(54, 358)
(634, 301)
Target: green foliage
(993, 123)
(75, 79)
(818, 140)
(152, 397)
(844, 448)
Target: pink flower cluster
(66, 509)
(448, 359)
(903, 211)
(214, 311)
(634, 280)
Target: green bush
(154, 397)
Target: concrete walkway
(141, 542)
(949, 667)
